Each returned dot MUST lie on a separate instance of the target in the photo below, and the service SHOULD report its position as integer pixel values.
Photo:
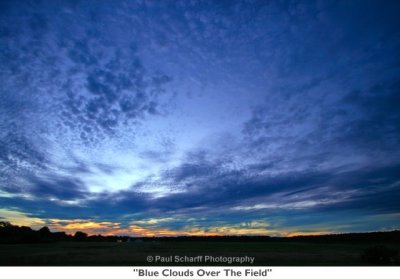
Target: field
(135, 254)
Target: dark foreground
(289, 253)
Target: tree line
(10, 233)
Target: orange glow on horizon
(149, 228)
(307, 233)
(110, 229)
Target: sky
(163, 118)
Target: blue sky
(200, 117)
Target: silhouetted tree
(45, 231)
(6, 230)
(60, 236)
(80, 236)
(5, 224)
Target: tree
(80, 235)
(45, 231)
(5, 224)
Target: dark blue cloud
(372, 191)
(63, 189)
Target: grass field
(134, 254)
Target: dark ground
(291, 253)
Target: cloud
(61, 188)
(109, 228)
(376, 109)
(223, 193)
(71, 86)
(20, 218)
(117, 89)
(71, 226)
